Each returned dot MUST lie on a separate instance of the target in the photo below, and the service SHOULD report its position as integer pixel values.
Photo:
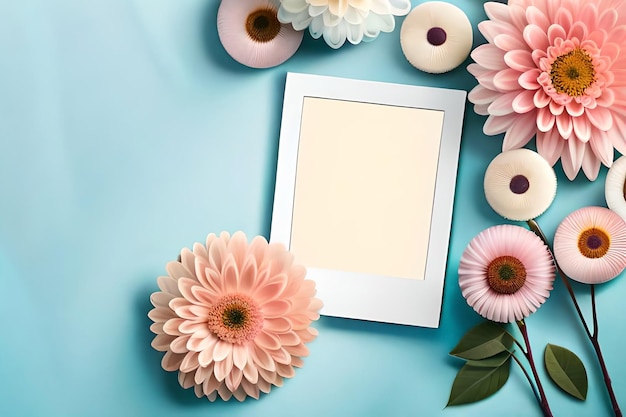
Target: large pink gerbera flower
(555, 69)
(233, 317)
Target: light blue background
(127, 133)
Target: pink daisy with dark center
(506, 273)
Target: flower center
(506, 274)
(572, 73)
(594, 243)
(519, 184)
(263, 25)
(235, 318)
(624, 189)
(436, 36)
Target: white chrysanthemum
(615, 187)
(519, 184)
(436, 37)
(338, 20)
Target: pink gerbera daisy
(232, 317)
(554, 69)
(506, 273)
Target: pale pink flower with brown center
(506, 273)
(233, 317)
(555, 69)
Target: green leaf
(474, 383)
(566, 370)
(483, 341)
(492, 362)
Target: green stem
(596, 347)
(593, 337)
(535, 228)
(528, 377)
(543, 400)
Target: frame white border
(362, 296)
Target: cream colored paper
(364, 190)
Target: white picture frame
(364, 193)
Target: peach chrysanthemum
(506, 273)
(233, 317)
(554, 69)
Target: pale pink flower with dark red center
(555, 69)
(506, 273)
(590, 245)
(233, 317)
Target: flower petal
(203, 373)
(230, 275)
(198, 344)
(602, 147)
(528, 79)
(545, 120)
(177, 270)
(276, 324)
(489, 56)
(572, 157)
(171, 361)
(521, 61)
(223, 368)
(267, 341)
(582, 128)
(190, 362)
(240, 356)
(248, 276)
(536, 38)
(233, 379)
(262, 359)
(498, 124)
(276, 308)
(507, 80)
(250, 372)
(564, 125)
(550, 145)
(222, 350)
(524, 102)
(520, 133)
(600, 117)
(169, 285)
(591, 165)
